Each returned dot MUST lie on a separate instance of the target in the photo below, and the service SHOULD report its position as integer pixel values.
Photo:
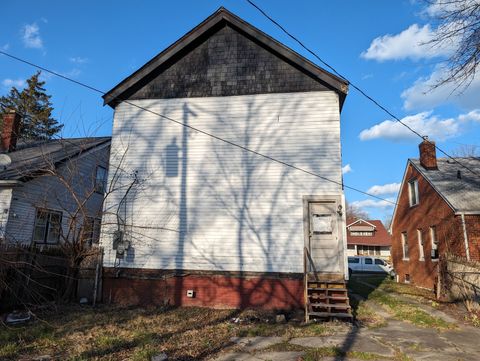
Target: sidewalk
(395, 340)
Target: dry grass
(105, 333)
(384, 294)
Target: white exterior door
(325, 244)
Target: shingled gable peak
(224, 56)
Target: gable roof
(222, 16)
(462, 194)
(380, 237)
(359, 220)
(32, 157)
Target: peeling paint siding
(223, 208)
(48, 192)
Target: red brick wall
(219, 291)
(473, 232)
(432, 210)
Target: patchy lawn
(383, 293)
(106, 333)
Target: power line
(357, 88)
(343, 185)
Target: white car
(369, 265)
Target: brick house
(368, 238)
(211, 224)
(437, 213)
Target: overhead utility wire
(200, 130)
(356, 87)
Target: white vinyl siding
(202, 204)
(48, 192)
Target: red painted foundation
(212, 290)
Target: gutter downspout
(465, 236)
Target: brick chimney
(11, 127)
(428, 154)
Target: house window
(47, 226)
(405, 245)
(413, 192)
(434, 241)
(101, 180)
(91, 230)
(421, 254)
(368, 250)
(361, 233)
(407, 278)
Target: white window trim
(421, 250)
(413, 184)
(405, 242)
(433, 241)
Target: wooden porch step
(325, 297)
(331, 305)
(330, 314)
(327, 289)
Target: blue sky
(375, 44)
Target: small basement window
(407, 278)
(413, 192)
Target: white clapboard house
(50, 188)
(199, 221)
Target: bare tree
(67, 200)
(353, 212)
(466, 150)
(458, 27)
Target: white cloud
(424, 123)
(423, 95)
(78, 60)
(370, 203)
(31, 36)
(474, 115)
(389, 188)
(440, 7)
(347, 169)
(17, 83)
(73, 73)
(411, 43)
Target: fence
(463, 280)
(32, 275)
